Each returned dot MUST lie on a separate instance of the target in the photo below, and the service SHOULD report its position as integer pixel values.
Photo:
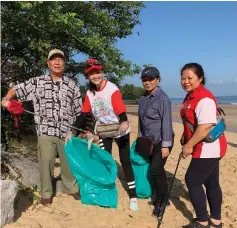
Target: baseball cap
(54, 52)
(93, 64)
(151, 72)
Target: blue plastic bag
(95, 172)
(142, 173)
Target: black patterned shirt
(53, 101)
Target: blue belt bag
(216, 131)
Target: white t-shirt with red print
(106, 104)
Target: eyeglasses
(96, 63)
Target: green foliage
(31, 29)
(83, 89)
(35, 197)
(130, 91)
(91, 29)
(30, 192)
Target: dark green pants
(47, 148)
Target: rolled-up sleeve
(166, 124)
(25, 89)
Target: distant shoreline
(230, 111)
(134, 102)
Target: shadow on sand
(178, 192)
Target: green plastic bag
(95, 171)
(142, 173)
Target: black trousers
(124, 155)
(204, 171)
(158, 172)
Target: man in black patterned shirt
(57, 102)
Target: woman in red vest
(199, 109)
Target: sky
(172, 34)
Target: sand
(230, 111)
(65, 212)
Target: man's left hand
(68, 137)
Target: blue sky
(175, 33)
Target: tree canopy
(31, 29)
(131, 92)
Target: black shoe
(155, 202)
(214, 225)
(159, 209)
(196, 225)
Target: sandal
(196, 225)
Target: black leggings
(158, 172)
(204, 171)
(124, 155)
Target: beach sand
(230, 111)
(65, 212)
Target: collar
(193, 94)
(62, 79)
(154, 93)
(102, 87)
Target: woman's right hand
(186, 151)
(124, 127)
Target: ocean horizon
(231, 100)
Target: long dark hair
(92, 87)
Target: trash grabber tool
(171, 185)
(16, 108)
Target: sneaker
(159, 209)
(134, 205)
(46, 201)
(196, 225)
(75, 195)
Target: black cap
(151, 72)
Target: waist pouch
(107, 130)
(215, 132)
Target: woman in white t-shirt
(103, 99)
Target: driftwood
(21, 169)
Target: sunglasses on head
(96, 63)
